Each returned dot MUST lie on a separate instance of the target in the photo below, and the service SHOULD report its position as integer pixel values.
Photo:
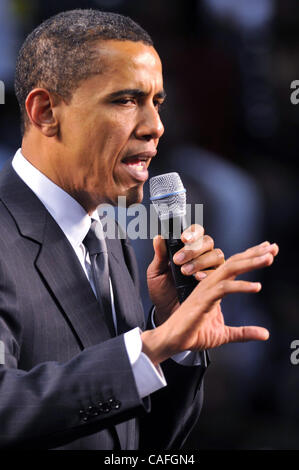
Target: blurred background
(231, 132)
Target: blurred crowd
(231, 132)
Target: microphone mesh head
(168, 195)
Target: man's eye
(125, 101)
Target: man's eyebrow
(136, 92)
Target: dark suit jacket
(65, 382)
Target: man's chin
(134, 195)
(126, 198)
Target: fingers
(198, 254)
(260, 256)
(222, 281)
(192, 233)
(222, 288)
(160, 261)
(235, 268)
(257, 250)
(226, 287)
(246, 333)
(211, 259)
(200, 275)
(160, 247)
(194, 249)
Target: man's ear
(40, 105)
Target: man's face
(111, 128)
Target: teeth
(139, 166)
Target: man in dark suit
(81, 370)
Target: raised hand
(198, 323)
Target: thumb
(160, 261)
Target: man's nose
(150, 125)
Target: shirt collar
(71, 217)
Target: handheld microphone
(168, 196)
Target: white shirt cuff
(148, 378)
(185, 358)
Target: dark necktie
(96, 246)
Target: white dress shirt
(75, 222)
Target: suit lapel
(56, 261)
(61, 270)
(127, 303)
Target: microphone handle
(172, 228)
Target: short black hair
(59, 53)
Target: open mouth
(137, 165)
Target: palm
(212, 331)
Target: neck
(45, 162)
